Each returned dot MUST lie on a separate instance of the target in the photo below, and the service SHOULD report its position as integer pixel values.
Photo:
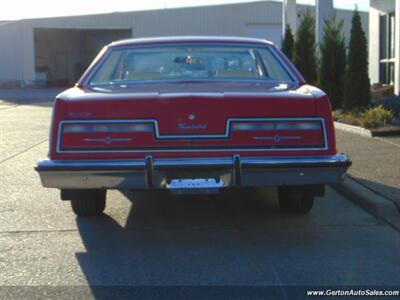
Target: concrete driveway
(237, 239)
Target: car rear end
(196, 134)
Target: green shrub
(333, 62)
(357, 92)
(376, 117)
(288, 43)
(351, 118)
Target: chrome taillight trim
(226, 134)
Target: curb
(390, 132)
(379, 206)
(353, 129)
(366, 132)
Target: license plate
(198, 183)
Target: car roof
(183, 39)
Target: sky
(26, 9)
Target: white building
(384, 51)
(58, 49)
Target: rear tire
(88, 203)
(293, 200)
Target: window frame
(387, 40)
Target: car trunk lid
(192, 116)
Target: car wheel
(89, 203)
(294, 201)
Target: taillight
(106, 128)
(281, 133)
(144, 135)
(97, 135)
(278, 125)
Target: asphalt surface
(235, 239)
(376, 162)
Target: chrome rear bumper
(158, 173)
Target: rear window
(188, 63)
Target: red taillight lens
(106, 128)
(143, 135)
(91, 136)
(282, 134)
(277, 125)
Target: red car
(191, 114)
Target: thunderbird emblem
(192, 126)
(187, 126)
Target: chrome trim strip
(190, 94)
(182, 162)
(277, 138)
(189, 39)
(303, 160)
(48, 164)
(107, 140)
(228, 129)
(55, 164)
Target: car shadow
(172, 241)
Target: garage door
(62, 54)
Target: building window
(386, 48)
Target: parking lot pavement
(394, 140)
(33, 95)
(237, 238)
(23, 127)
(375, 162)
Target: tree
(288, 43)
(357, 93)
(304, 49)
(333, 62)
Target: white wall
(10, 54)
(257, 19)
(272, 32)
(17, 52)
(217, 20)
(324, 12)
(341, 14)
(289, 15)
